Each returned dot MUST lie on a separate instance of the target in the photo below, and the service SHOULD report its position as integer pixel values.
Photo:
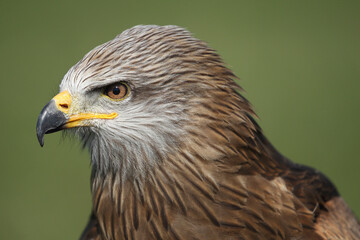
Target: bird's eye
(117, 91)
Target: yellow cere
(63, 101)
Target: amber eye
(117, 91)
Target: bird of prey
(176, 152)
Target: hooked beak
(50, 120)
(55, 116)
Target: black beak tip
(41, 141)
(40, 137)
(39, 130)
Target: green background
(299, 62)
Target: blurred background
(298, 61)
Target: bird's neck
(184, 185)
(229, 147)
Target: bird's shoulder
(332, 218)
(313, 199)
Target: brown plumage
(184, 158)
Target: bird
(176, 151)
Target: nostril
(64, 105)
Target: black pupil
(116, 90)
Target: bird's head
(136, 98)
